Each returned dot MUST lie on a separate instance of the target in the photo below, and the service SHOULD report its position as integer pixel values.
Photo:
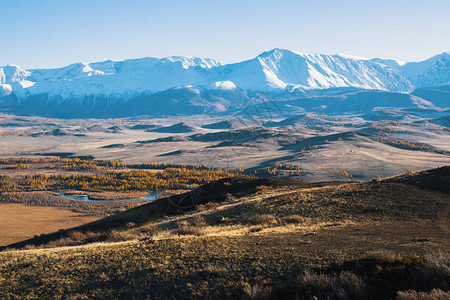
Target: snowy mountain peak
(279, 68)
(278, 71)
(279, 52)
(434, 71)
(222, 85)
(354, 57)
(12, 73)
(189, 62)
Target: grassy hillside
(252, 238)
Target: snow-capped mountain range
(178, 78)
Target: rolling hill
(245, 238)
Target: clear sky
(53, 33)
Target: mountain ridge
(202, 80)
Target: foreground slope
(242, 237)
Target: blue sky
(52, 33)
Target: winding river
(151, 196)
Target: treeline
(411, 146)
(135, 180)
(71, 164)
(163, 166)
(17, 167)
(87, 164)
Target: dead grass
(246, 266)
(20, 221)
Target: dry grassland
(21, 221)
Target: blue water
(151, 196)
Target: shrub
(198, 221)
(76, 236)
(256, 228)
(379, 276)
(294, 219)
(435, 294)
(262, 219)
(118, 236)
(257, 292)
(62, 242)
(229, 197)
(346, 285)
(201, 207)
(207, 206)
(184, 228)
(187, 230)
(149, 230)
(214, 270)
(211, 205)
(130, 225)
(183, 223)
(309, 285)
(262, 188)
(434, 272)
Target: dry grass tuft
(130, 225)
(346, 285)
(257, 292)
(294, 219)
(434, 271)
(263, 188)
(229, 197)
(148, 231)
(183, 223)
(184, 228)
(76, 235)
(384, 255)
(310, 285)
(198, 221)
(188, 230)
(264, 219)
(438, 260)
(215, 270)
(207, 206)
(257, 228)
(435, 294)
(29, 247)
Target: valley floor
(19, 222)
(320, 146)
